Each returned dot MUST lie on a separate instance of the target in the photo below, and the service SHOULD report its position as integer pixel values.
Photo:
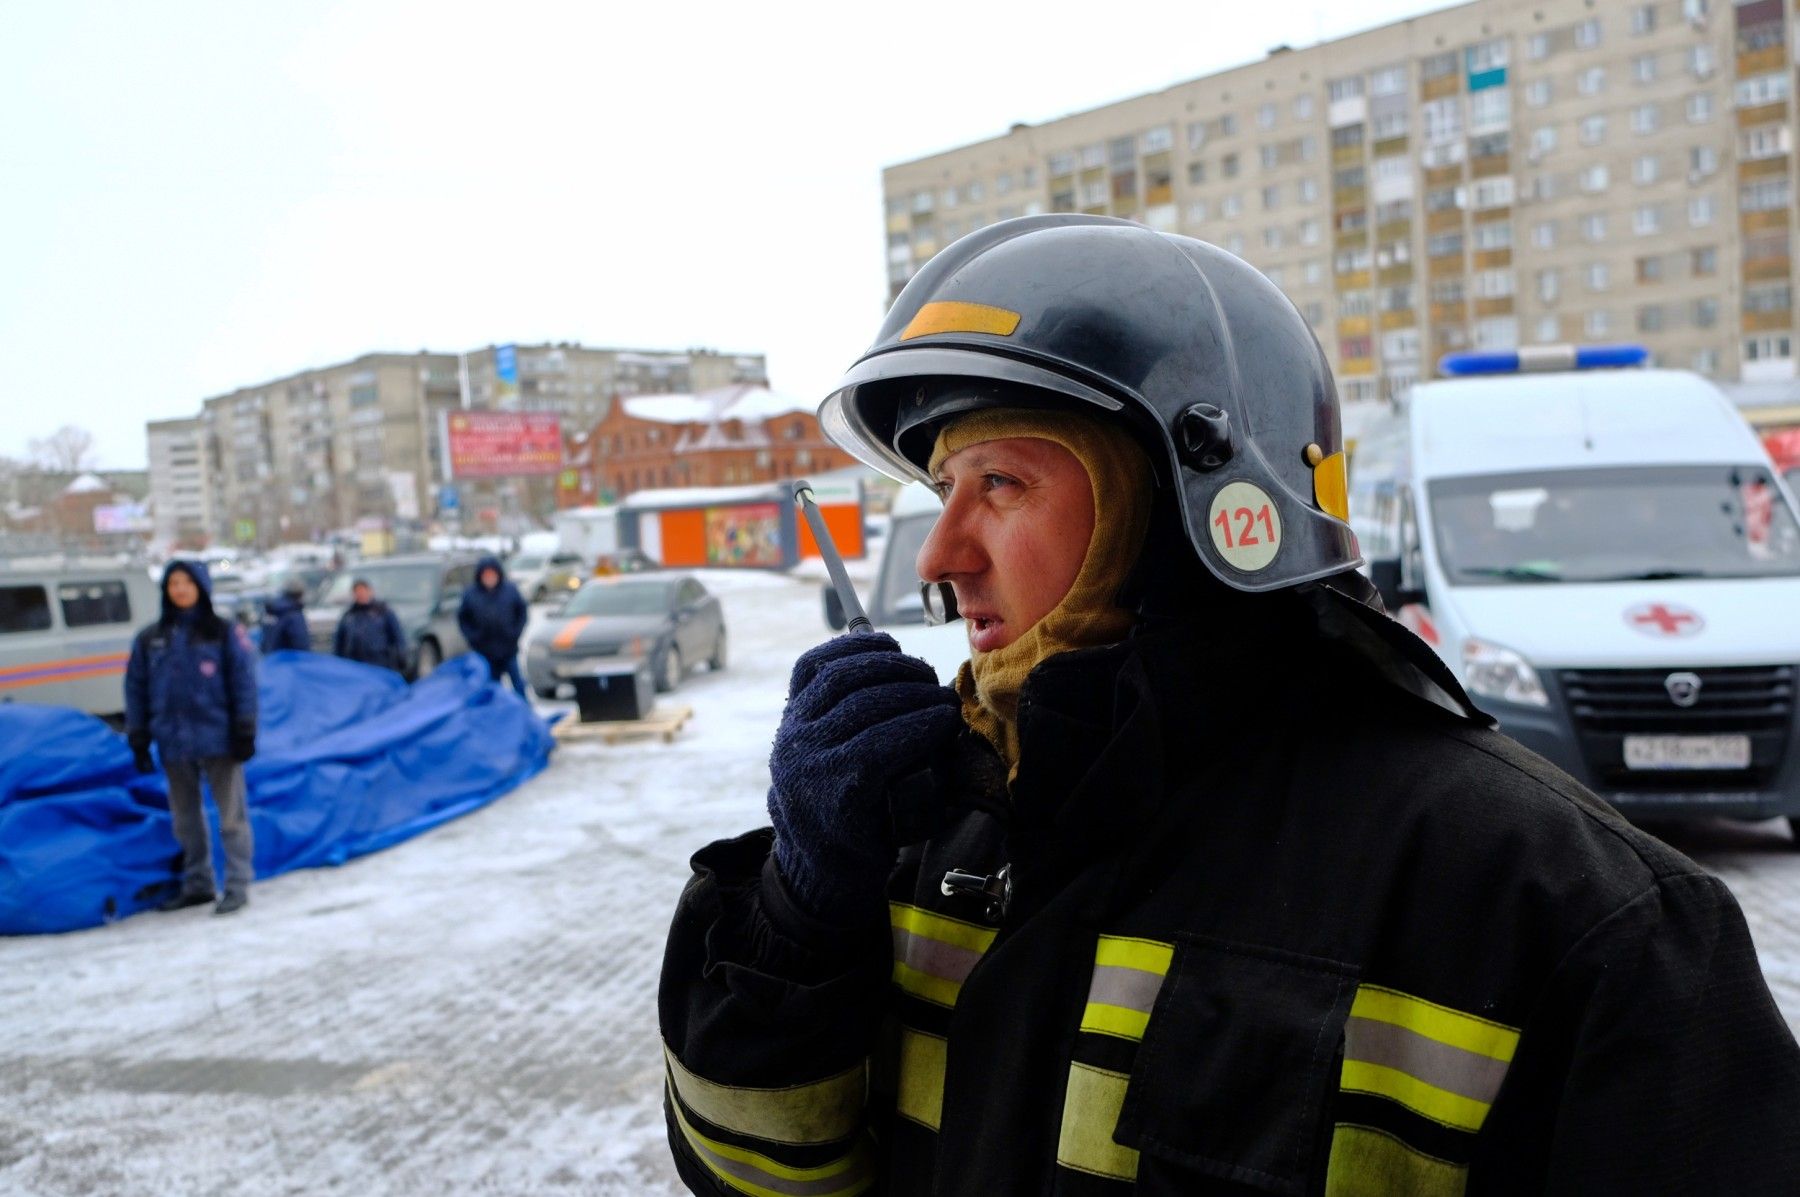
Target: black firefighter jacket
(1274, 926)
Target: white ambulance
(1608, 560)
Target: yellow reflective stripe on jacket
(1128, 975)
(1440, 1063)
(1366, 1162)
(819, 1112)
(921, 1090)
(1091, 1108)
(933, 954)
(751, 1172)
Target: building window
(1706, 361)
(1307, 189)
(1348, 88)
(1650, 318)
(1699, 107)
(1308, 147)
(1537, 47)
(1597, 322)
(1543, 141)
(1549, 285)
(1765, 195)
(1313, 272)
(949, 197)
(1649, 270)
(1486, 56)
(974, 193)
(1271, 157)
(1196, 212)
(1543, 234)
(1491, 193)
(1271, 198)
(1768, 297)
(1701, 210)
(1548, 329)
(1643, 68)
(1442, 119)
(1265, 116)
(1593, 130)
(1591, 82)
(1706, 313)
(1703, 260)
(1271, 237)
(1155, 141)
(1391, 124)
(1228, 166)
(1493, 284)
(1644, 119)
(1643, 19)
(1495, 234)
(1771, 348)
(1303, 107)
(1594, 178)
(1762, 89)
(1701, 60)
(1768, 141)
(1587, 34)
(1537, 93)
(1703, 160)
(1196, 173)
(1232, 206)
(1644, 170)
(1234, 245)
(1496, 332)
(1597, 278)
(1490, 107)
(1061, 164)
(1593, 226)
(1196, 134)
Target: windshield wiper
(1513, 573)
(1662, 574)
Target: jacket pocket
(1237, 1064)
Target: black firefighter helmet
(1200, 355)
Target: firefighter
(1203, 876)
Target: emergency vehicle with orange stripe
(1610, 562)
(65, 633)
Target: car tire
(545, 693)
(1793, 823)
(430, 657)
(716, 662)
(669, 673)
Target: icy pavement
(474, 1010)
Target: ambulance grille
(1606, 705)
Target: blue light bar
(1543, 357)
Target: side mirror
(1385, 573)
(834, 610)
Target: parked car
(896, 603)
(65, 634)
(423, 590)
(532, 571)
(671, 618)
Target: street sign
(448, 499)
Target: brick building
(731, 436)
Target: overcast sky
(195, 197)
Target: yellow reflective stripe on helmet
(934, 954)
(1128, 974)
(1091, 1107)
(1366, 1162)
(751, 1172)
(1331, 487)
(952, 316)
(1467, 1031)
(818, 1112)
(921, 1090)
(1421, 1097)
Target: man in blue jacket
(284, 620)
(190, 688)
(492, 618)
(370, 632)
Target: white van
(896, 604)
(66, 631)
(1609, 562)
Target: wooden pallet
(661, 721)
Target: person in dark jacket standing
(369, 631)
(1203, 876)
(284, 620)
(492, 618)
(190, 689)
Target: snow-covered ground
(473, 1011)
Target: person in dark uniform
(492, 617)
(190, 689)
(369, 631)
(284, 621)
(1203, 876)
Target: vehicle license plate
(1687, 752)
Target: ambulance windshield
(1606, 525)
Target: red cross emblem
(1664, 619)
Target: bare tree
(68, 450)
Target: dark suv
(424, 591)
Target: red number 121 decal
(1247, 532)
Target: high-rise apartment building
(1496, 174)
(178, 483)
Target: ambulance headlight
(1491, 671)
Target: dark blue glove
(855, 768)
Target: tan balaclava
(1088, 615)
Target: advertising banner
(506, 376)
(498, 444)
(123, 517)
(746, 535)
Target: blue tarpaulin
(350, 760)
